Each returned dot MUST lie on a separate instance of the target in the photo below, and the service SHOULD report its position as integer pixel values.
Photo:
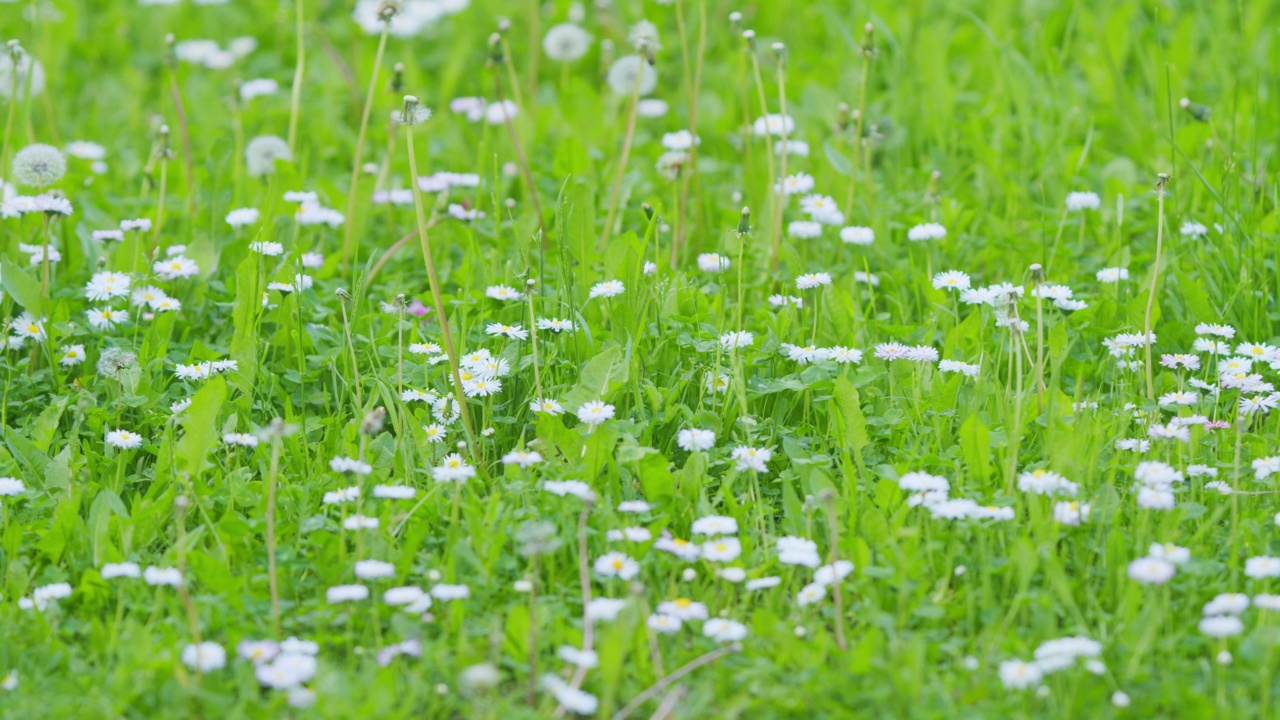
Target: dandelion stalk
(414, 114)
(775, 183)
(163, 153)
(180, 531)
(15, 54)
(172, 62)
(1161, 181)
(693, 90)
(665, 682)
(497, 57)
(295, 101)
(350, 245)
(626, 151)
(828, 498)
(584, 581)
(276, 432)
(781, 51)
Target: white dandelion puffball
(630, 70)
(39, 165)
(261, 153)
(566, 42)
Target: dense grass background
(1012, 104)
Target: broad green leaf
(842, 164)
(24, 289)
(598, 378)
(853, 424)
(975, 441)
(199, 423)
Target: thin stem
(685, 669)
(272, 577)
(520, 157)
(622, 161)
(348, 238)
(584, 581)
(782, 167)
(186, 143)
(299, 69)
(533, 338)
(775, 183)
(1151, 297)
(833, 557)
(438, 301)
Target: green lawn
(851, 415)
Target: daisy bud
(648, 210)
(462, 445)
(1037, 272)
(689, 575)
(800, 631)
(735, 18)
(842, 116)
(504, 26)
(530, 283)
(1162, 179)
(744, 221)
(1224, 657)
(181, 502)
(750, 37)
(433, 575)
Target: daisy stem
(350, 244)
(299, 69)
(1016, 431)
(1235, 487)
(533, 339)
(622, 160)
(355, 368)
(438, 301)
(1039, 349)
(1155, 284)
(44, 224)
